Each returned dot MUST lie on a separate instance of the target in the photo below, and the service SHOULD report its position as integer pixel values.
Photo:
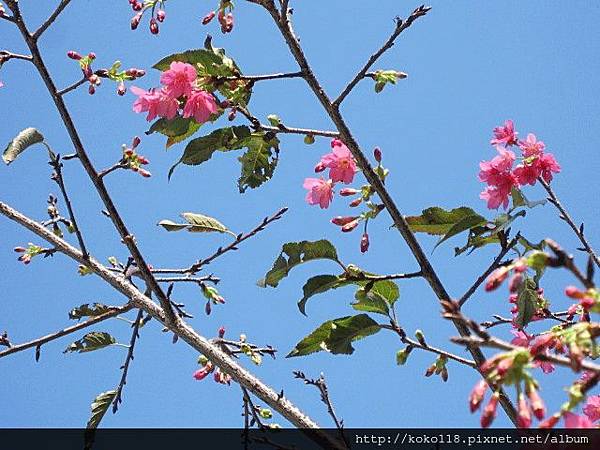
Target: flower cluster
(113, 73)
(30, 252)
(499, 173)
(133, 160)
(208, 368)
(157, 13)
(179, 92)
(224, 16)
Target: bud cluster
(157, 13)
(212, 296)
(31, 251)
(133, 161)
(224, 16)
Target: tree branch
(115, 311)
(285, 27)
(5, 55)
(50, 20)
(257, 125)
(564, 215)
(286, 408)
(273, 76)
(495, 264)
(126, 236)
(72, 87)
(400, 27)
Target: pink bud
(477, 394)
(144, 173)
(232, 114)
(135, 21)
(136, 6)
(346, 192)
(377, 154)
(94, 79)
(573, 292)
(430, 370)
(341, 221)
(121, 89)
(20, 249)
(128, 152)
(91, 89)
(154, 26)
(537, 405)
(74, 55)
(364, 243)
(354, 203)
(489, 413)
(210, 16)
(524, 416)
(221, 332)
(207, 308)
(161, 15)
(91, 55)
(350, 226)
(320, 167)
(136, 141)
(550, 422)
(143, 160)
(496, 278)
(515, 282)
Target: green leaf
(259, 161)
(438, 221)
(318, 285)
(384, 290)
(336, 336)
(370, 303)
(466, 223)
(89, 310)
(201, 149)
(527, 303)
(274, 120)
(519, 199)
(99, 407)
(177, 129)
(90, 342)
(295, 253)
(23, 140)
(196, 223)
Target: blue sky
(470, 67)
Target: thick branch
(180, 328)
(284, 25)
(564, 215)
(400, 27)
(65, 331)
(126, 236)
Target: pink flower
(505, 135)
(528, 173)
(477, 394)
(548, 165)
(499, 194)
(179, 79)
(524, 416)
(200, 105)
(547, 367)
(532, 147)
(592, 408)
(576, 421)
(320, 192)
(155, 103)
(340, 162)
(494, 172)
(521, 339)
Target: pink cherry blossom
(575, 421)
(340, 162)
(548, 165)
(200, 105)
(493, 172)
(499, 194)
(505, 135)
(320, 192)
(155, 103)
(531, 146)
(521, 339)
(592, 408)
(547, 367)
(528, 173)
(179, 79)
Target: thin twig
(50, 20)
(119, 165)
(495, 264)
(59, 179)
(393, 276)
(400, 27)
(285, 27)
(72, 87)
(257, 125)
(7, 56)
(197, 280)
(127, 238)
(564, 215)
(135, 334)
(115, 311)
(273, 76)
(563, 259)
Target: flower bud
(573, 292)
(206, 19)
(94, 79)
(550, 421)
(142, 160)
(320, 167)
(364, 243)
(91, 89)
(121, 89)
(207, 308)
(430, 370)
(136, 141)
(489, 412)
(496, 278)
(161, 15)
(91, 55)
(354, 203)
(154, 26)
(524, 416)
(144, 173)
(537, 405)
(377, 154)
(74, 55)
(136, 5)
(346, 192)
(444, 374)
(350, 226)
(341, 221)
(20, 249)
(515, 282)
(477, 394)
(232, 114)
(221, 332)
(135, 21)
